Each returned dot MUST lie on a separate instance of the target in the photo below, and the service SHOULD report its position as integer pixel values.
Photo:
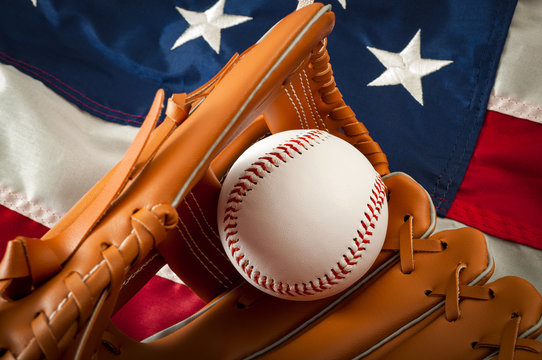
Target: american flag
(450, 89)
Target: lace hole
(444, 245)
(115, 350)
(405, 219)
(491, 293)
(474, 344)
(240, 306)
(428, 292)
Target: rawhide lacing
(356, 133)
(407, 245)
(29, 262)
(454, 291)
(510, 342)
(86, 294)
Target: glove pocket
(505, 324)
(369, 321)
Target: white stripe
(510, 258)
(303, 3)
(166, 273)
(515, 107)
(51, 152)
(516, 91)
(18, 202)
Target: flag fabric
(450, 89)
(501, 191)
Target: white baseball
(302, 214)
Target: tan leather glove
(424, 297)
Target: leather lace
(88, 293)
(357, 133)
(454, 291)
(510, 342)
(28, 262)
(407, 245)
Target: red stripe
(14, 224)
(160, 304)
(501, 193)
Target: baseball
(302, 214)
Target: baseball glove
(425, 296)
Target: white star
(208, 24)
(406, 68)
(35, 2)
(303, 3)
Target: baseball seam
(249, 179)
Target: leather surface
(421, 286)
(311, 100)
(259, 319)
(479, 319)
(121, 239)
(194, 251)
(378, 310)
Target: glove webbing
(357, 134)
(88, 294)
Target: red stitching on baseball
(231, 209)
(249, 178)
(231, 242)
(268, 162)
(300, 143)
(230, 226)
(351, 261)
(353, 253)
(329, 281)
(293, 147)
(270, 159)
(285, 149)
(238, 191)
(288, 292)
(255, 172)
(336, 274)
(262, 165)
(229, 217)
(234, 200)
